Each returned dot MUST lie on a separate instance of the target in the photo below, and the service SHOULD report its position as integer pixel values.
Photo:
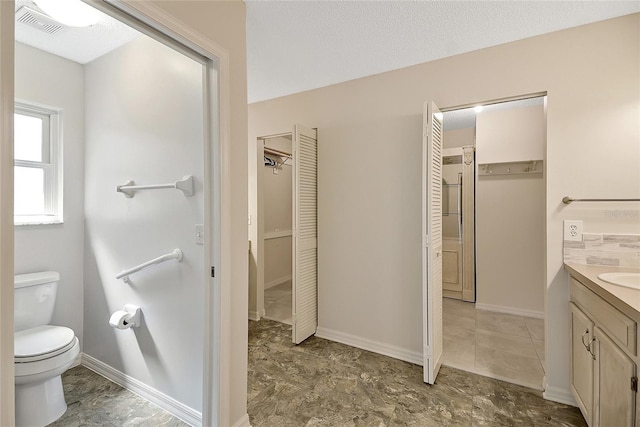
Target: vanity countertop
(626, 300)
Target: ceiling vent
(38, 20)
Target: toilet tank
(34, 299)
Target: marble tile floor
(277, 303)
(324, 383)
(497, 345)
(93, 400)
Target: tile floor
(277, 303)
(324, 383)
(93, 400)
(502, 346)
(497, 345)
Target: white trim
(277, 281)
(253, 315)
(510, 310)
(370, 345)
(277, 234)
(559, 395)
(243, 422)
(169, 404)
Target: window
(37, 165)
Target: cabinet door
(614, 396)
(582, 361)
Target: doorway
(203, 395)
(277, 185)
(497, 332)
(287, 234)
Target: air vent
(38, 20)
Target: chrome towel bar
(567, 200)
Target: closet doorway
(498, 203)
(287, 286)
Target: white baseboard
(253, 315)
(277, 281)
(511, 310)
(559, 395)
(243, 422)
(169, 404)
(370, 345)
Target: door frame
(217, 196)
(496, 101)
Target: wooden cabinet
(582, 366)
(615, 395)
(603, 360)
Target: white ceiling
(293, 46)
(298, 45)
(80, 45)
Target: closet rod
(269, 150)
(567, 200)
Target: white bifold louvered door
(305, 233)
(432, 241)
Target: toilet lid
(41, 340)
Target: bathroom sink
(628, 280)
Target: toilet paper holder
(128, 317)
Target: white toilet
(42, 352)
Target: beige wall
(510, 213)
(458, 137)
(370, 133)
(514, 135)
(509, 244)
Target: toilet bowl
(42, 352)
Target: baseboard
(169, 404)
(510, 310)
(370, 345)
(253, 315)
(559, 395)
(243, 422)
(278, 281)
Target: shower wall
(144, 122)
(48, 79)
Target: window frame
(51, 163)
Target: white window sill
(37, 220)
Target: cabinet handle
(586, 346)
(591, 348)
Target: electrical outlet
(573, 230)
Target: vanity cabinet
(604, 360)
(583, 364)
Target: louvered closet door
(432, 241)
(305, 233)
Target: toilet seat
(42, 342)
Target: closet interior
(278, 195)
